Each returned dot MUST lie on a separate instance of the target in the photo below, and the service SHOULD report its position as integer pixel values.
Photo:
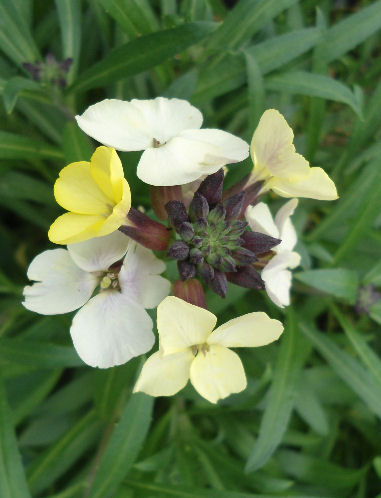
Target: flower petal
(217, 373)
(61, 286)
(316, 185)
(110, 330)
(72, 227)
(133, 125)
(287, 232)
(278, 279)
(75, 190)
(182, 325)
(260, 220)
(164, 375)
(250, 331)
(99, 253)
(107, 171)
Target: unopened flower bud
(147, 232)
(206, 271)
(233, 206)
(196, 256)
(186, 231)
(190, 291)
(179, 250)
(243, 256)
(259, 242)
(217, 214)
(219, 283)
(198, 208)
(227, 264)
(186, 270)
(246, 277)
(211, 187)
(177, 213)
(160, 196)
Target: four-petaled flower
(275, 274)
(111, 327)
(189, 348)
(176, 151)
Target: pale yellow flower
(96, 195)
(189, 348)
(282, 169)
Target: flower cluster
(110, 273)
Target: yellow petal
(250, 331)
(217, 373)
(107, 171)
(182, 325)
(76, 191)
(72, 227)
(119, 213)
(317, 185)
(164, 375)
(272, 149)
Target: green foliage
(308, 423)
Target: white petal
(315, 185)
(164, 375)
(133, 125)
(110, 330)
(217, 373)
(61, 286)
(139, 277)
(286, 229)
(278, 279)
(260, 220)
(99, 253)
(250, 330)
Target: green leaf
(123, 447)
(75, 143)
(281, 398)
(14, 185)
(142, 54)
(256, 89)
(69, 15)
(374, 275)
(13, 146)
(339, 282)
(310, 408)
(12, 89)
(347, 368)
(12, 478)
(314, 85)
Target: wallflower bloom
(96, 195)
(112, 326)
(284, 171)
(275, 274)
(176, 151)
(191, 349)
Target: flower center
(200, 348)
(156, 143)
(109, 281)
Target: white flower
(112, 326)
(275, 274)
(176, 151)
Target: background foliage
(308, 424)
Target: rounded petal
(182, 325)
(61, 286)
(164, 375)
(75, 190)
(217, 373)
(250, 331)
(316, 185)
(110, 330)
(139, 277)
(278, 279)
(98, 254)
(286, 229)
(260, 220)
(107, 171)
(72, 227)
(133, 125)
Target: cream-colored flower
(189, 348)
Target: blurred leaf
(310, 408)
(13, 146)
(374, 275)
(339, 282)
(256, 90)
(12, 478)
(14, 185)
(12, 89)
(142, 54)
(69, 15)
(135, 17)
(76, 145)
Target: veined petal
(76, 190)
(260, 220)
(107, 171)
(61, 285)
(182, 325)
(278, 278)
(250, 331)
(110, 330)
(287, 232)
(164, 375)
(99, 253)
(72, 227)
(316, 185)
(119, 213)
(217, 373)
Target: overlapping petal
(316, 185)
(278, 278)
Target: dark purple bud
(247, 277)
(259, 243)
(177, 213)
(196, 256)
(243, 256)
(50, 59)
(217, 214)
(147, 232)
(160, 196)
(186, 231)
(197, 241)
(186, 270)
(190, 291)
(33, 69)
(211, 187)
(179, 250)
(219, 283)
(65, 65)
(237, 187)
(233, 206)
(237, 227)
(200, 225)
(206, 271)
(198, 208)
(227, 264)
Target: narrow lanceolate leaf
(76, 145)
(314, 85)
(141, 54)
(123, 447)
(12, 89)
(256, 90)
(13, 146)
(339, 282)
(348, 368)
(12, 478)
(281, 397)
(69, 15)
